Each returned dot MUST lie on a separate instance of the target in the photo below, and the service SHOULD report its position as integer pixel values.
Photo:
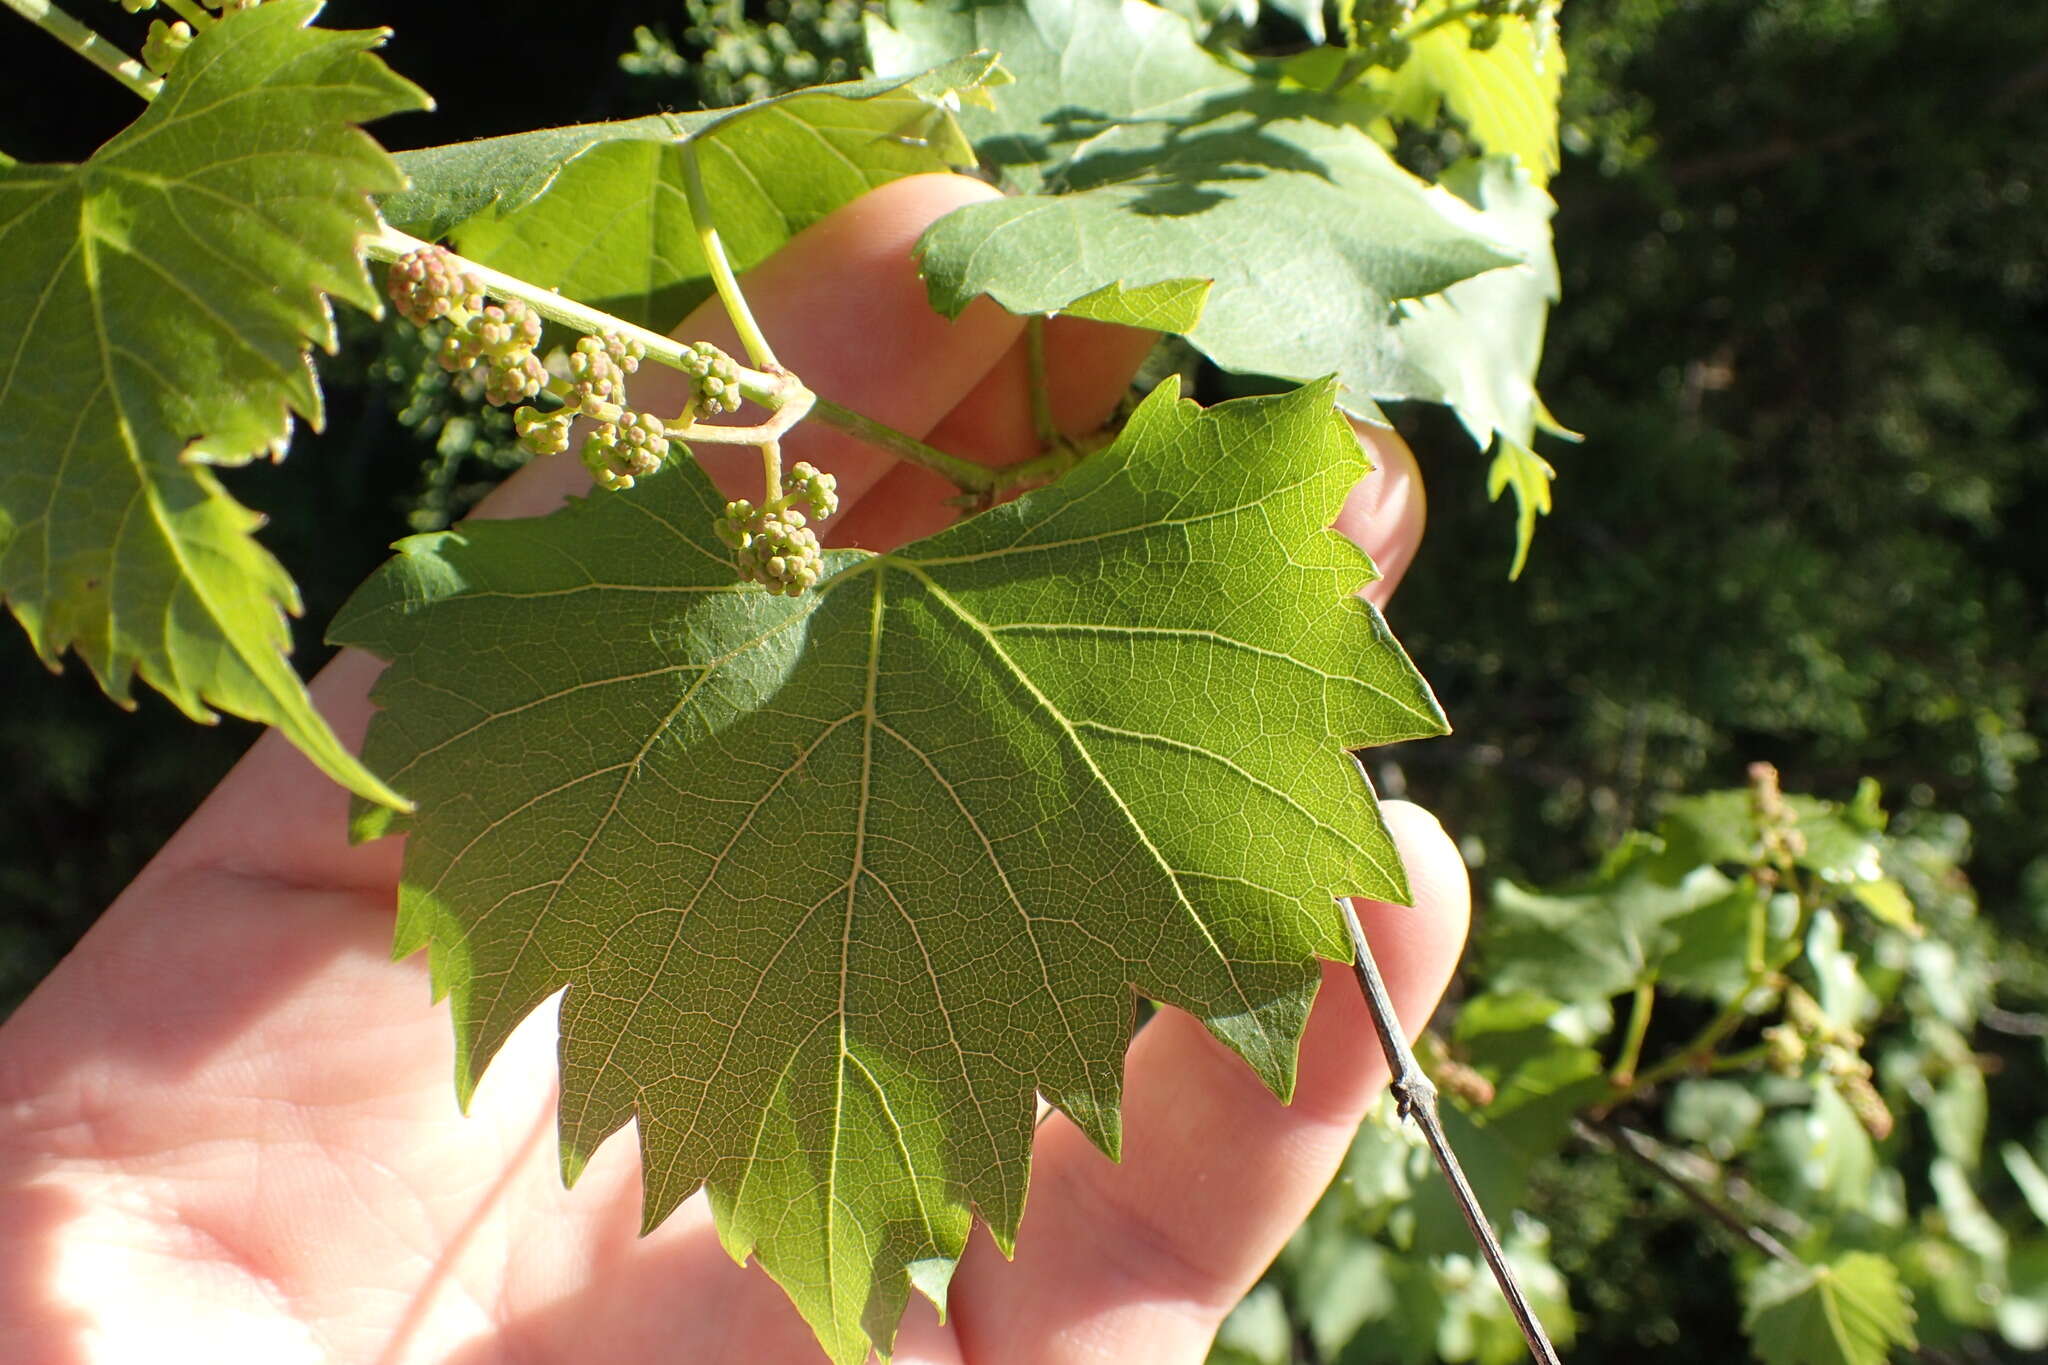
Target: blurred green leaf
(1957, 1113)
(2028, 1175)
(1711, 955)
(1969, 1223)
(1257, 1331)
(1887, 902)
(1821, 1156)
(1721, 1116)
(2023, 1309)
(1840, 988)
(1603, 938)
(1477, 1325)
(1852, 1311)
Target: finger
(1088, 369)
(1386, 512)
(1142, 1260)
(846, 294)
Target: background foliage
(1804, 279)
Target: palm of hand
(227, 1125)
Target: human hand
(228, 1130)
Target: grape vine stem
(1646, 1152)
(1416, 1100)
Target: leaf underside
(151, 333)
(917, 837)
(598, 211)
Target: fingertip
(1387, 510)
(1418, 945)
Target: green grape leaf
(1851, 1311)
(1821, 1157)
(1844, 996)
(1603, 937)
(1475, 346)
(161, 297)
(1711, 955)
(838, 884)
(598, 210)
(1506, 95)
(1515, 466)
(1137, 157)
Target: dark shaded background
(1805, 333)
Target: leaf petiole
(722, 278)
(1041, 397)
(1623, 1074)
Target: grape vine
(961, 675)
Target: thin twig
(1639, 1148)
(88, 45)
(1415, 1095)
(2013, 1023)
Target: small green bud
(812, 485)
(458, 351)
(1806, 1015)
(1486, 33)
(1784, 1050)
(514, 377)
(165, 44)
(1866, 1104)
(595, 373)
(600, 451)
(625, 353)
(643, 443)
(775, 549)
(424, 285)
(542, 433)
(716, 376)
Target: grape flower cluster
(776, 545)
(495, 342)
